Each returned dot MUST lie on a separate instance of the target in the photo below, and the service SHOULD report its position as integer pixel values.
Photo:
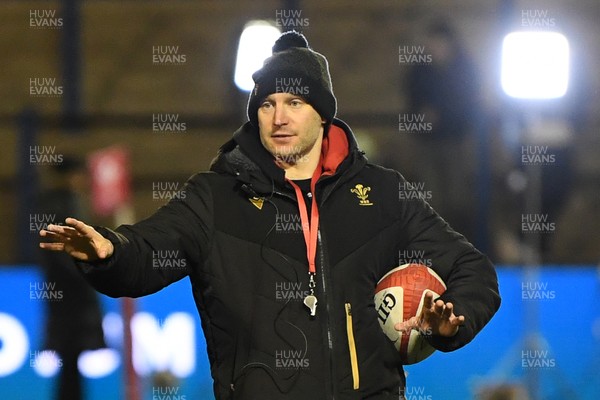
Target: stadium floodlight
(535, 65)
(254, 47)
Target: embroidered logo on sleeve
(361, 192)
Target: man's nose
(280, 115)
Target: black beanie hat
(294, 68)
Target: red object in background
(109, 169)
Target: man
(287, 308)
(74, 323)
(447, 93)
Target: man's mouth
(281, 134)
(282, 138)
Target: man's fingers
(428, 301)
(73, 228)
(438, 307)
(45, 233)
(80, 226)
(54, 236)
(447, 312)
(52, 228)
(63, 230)
(406, 326)
(52, 246)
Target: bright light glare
(169, 346)
(255, 45)
(47, 363)
(13, 344)
(98, 363)
(535, 65)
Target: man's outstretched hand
(78, 240)
(436, 318)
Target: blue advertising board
(545, 338)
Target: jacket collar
(245, 157)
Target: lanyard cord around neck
(310, 228)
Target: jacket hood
(245, 157)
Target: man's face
(289, 127)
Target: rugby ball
(399, 295)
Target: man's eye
(265, 105)
(296, 103)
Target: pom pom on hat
(288, 40)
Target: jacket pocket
(352, 347)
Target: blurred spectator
(543, 138)
(445, 93)
(502, 392)
(566, 184)
(74, 323)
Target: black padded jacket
(236, 233)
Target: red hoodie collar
(334, 149)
